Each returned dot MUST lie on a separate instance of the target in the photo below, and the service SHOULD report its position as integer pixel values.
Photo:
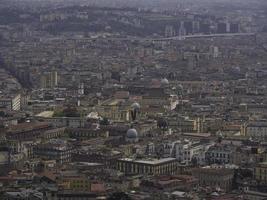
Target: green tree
(119, 196)
(2, 114)
(104, 121)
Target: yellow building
(214, 177)
(76, 183)
(120, 109)
(114, 109)
(260, 172)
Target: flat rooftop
(149, 161)
(45, 114)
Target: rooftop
(149, 161)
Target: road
(147, 39)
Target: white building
(10, 102)
(257, 130)
(186, 151)
(220, 154)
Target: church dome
(132, 134)
(135, 105)
(164, 81)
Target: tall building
(11, 102)
(228, 27)
(234, 28)
(81, 89)
(214, 51)
(189, 27)
(182, 31)
(169, 31)
(24, 76)
(49, 80)
(204, 28)
(222, 27)
(196, 26)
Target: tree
(119, 196)
(71, 112)
(162, 124)
(194, 162)
(2, 114)
(104, 121)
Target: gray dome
(164, 81)
(135, 105)
(132, 133)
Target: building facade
(11, 102)
(62, 153)
(260, 173)
(257, 130)
(219, 154)
(163, 166)
(187, 151)
(215, 177)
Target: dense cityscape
(132, 100)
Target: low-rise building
(187, 151)
(169, 183)
(257, 130)
(164, 166)
(215, 177)
(62, 153)
(27, 131)
(260, 172)
(220, 154)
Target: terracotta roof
(97, 187)
(27, 127)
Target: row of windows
(146, 169)
(219, 155)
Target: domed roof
(135, 105)
(132, 133)
(164, 81)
